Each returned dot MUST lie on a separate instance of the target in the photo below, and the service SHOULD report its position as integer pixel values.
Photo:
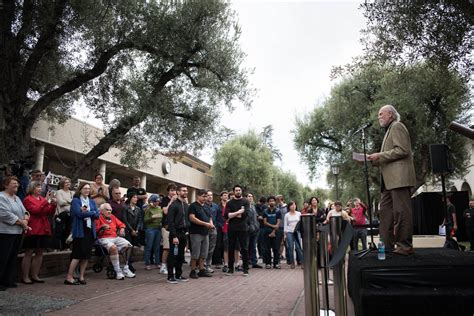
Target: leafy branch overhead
(162, 70)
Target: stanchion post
(311, 287)
(323, 241)
(339, 271)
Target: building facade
(60, 146)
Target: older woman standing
(13, 222)
(39, 237)
(63, 215)
(84, 212)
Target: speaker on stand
(440, 164)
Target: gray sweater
(11, 209)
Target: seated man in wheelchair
(107, 226)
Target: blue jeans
(152, 244)
(292, 244)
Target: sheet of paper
(357, 156)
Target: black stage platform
(433, 281)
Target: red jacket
(39, 210)
(114, 224)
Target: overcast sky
(293, 45)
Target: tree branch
(41, 48)
(193, 81)
(207, 67)
(26, 22)
(74, 83)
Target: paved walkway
(263, 292)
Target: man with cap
(152, 219)
(200, 224)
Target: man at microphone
(395, 160)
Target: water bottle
(175, 250)
(381, 250)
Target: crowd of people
(231, 235)
(234, 234)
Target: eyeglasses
(109, 210)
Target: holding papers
(357, 156)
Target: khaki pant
(396, 219)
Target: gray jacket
(10, 211)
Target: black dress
(81, 247)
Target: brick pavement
(263, 292)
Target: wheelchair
(104, 261)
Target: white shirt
(290, 221)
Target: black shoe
(75, 282)
(204, 273)
(239, 268)
(182, 279)
(225, 269)
(37, 280)
(172, 281)
(230, 272)
(12, 285)
(246, 273)
(257, 266)
(193, 275)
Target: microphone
(365, 126)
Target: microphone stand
(372, 245)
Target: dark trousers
(253, 248)
(9, 247)
(396, 220)
(217, 256)
(261, 242)
(470, 236)
(272, 244)
(62, 229)
(176, 262)
(238, 238)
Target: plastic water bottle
(175, 250)
(381, 250)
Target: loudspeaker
(439, 156)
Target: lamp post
(335, 172)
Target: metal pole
(311, 287)
(339, 271)
(323, 239)
(337, 190)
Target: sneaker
(193, 274)
(225, 269)
(120, 276)
(204, 273)
(246, 273)
(148, 267)
(276, 266)
(209, 269)
(230, 272)
(257, 266)
(126, 271)
(239, 268)
(268, 266)
(172, 281)
(164, 269)
(182, 279)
